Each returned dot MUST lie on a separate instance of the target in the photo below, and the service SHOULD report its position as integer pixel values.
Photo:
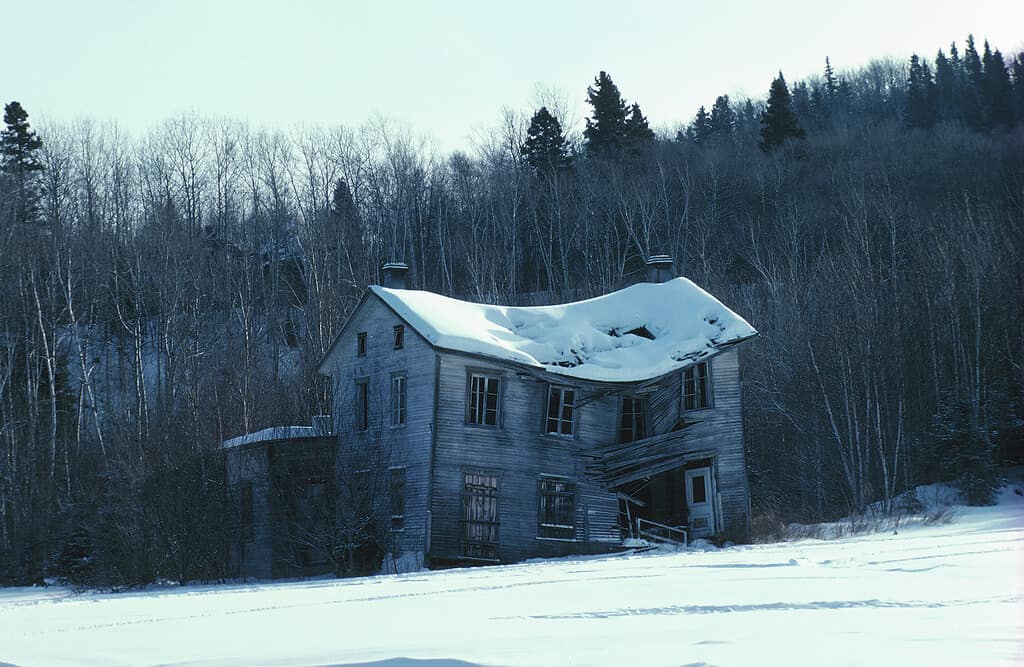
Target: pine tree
(778, 122)
(831, 86)
(973, 97)
(638, 132)
(1017, 67)
(700, 129)
(606, 130)
(919, 112)
(545, 147)
(723, 120)
(20, 165)
(997, 90)
(946, 88)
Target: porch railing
(659, 532)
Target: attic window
(361, 344)
(399, 337)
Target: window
(480, 515)
(695, 387)
(633, 425)
(399, 337)
(245, 511)
(398, 399)
(361, 344)
(397, 498)
(362, 405)
(483, 400)
(557, 510)
(561, 411)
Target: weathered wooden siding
(407, 446)
(251, 557)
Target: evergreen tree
(747, 123)
(778, 122)
(700, 128)
(802, 104)
(919, 112)
(545, 147)
(638, 132)
(606, 130)
(19, 146)
(831, 86)
(997, 89)
(1017, 68)
(723, 120)
(973, 94)
(946, 88)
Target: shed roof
(637, 333)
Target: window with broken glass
(561, 415)
(633, 424)
(483, 399)
(557, 509)
(695, 387)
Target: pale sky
(445, 67)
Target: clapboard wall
(407, 446)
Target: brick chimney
(394, 274)
(659, 269)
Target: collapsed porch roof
(619, 464)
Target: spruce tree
(1017, 68)
(946, 88)
(638, 132)
(997, 90)
(778, 122)
(831, 85)
(700, 128)
(545, 148)
(606, 129)
(919, 112)
(723, 120)
(19, 146)
(973, 94)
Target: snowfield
(929, 595)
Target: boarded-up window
(480, 516)
(397, 498)
(561, 415)
(362, 405)
(245, 511)
(557, 509)
(695, 387)
(633, 424)
(398, 399)
(483, 400)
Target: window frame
(361, 344)
(702, 400)
(560, 418)
(396, 497)
(362, 405)
(399, 399)
(640, 401)
(550, 524)
(475, 411)
(399, 331)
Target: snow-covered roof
(272, 433)
(637, 333)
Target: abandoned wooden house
(467, 432)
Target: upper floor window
(483, 399)
(633, 424)
(398, 399)
(362, 405)
(361, 344)
(696, 388)
(561, 415)
(399, 337)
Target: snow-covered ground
(930, 595)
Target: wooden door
(700, 503)
(480, 516)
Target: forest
(163, 292)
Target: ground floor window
(557, 509)
(397, 498)
(480, 515)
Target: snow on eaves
(637, 333)
(273, 433)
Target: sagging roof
(641, 332)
